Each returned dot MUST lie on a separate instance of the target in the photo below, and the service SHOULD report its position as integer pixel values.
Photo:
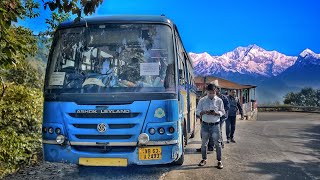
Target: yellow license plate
(103, 161)
(150, 153)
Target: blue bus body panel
(144, 115)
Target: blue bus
(119, 90)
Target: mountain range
(274, 73)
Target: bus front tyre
(180, 161)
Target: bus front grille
(104, 137)
(105, 149)
(111, 126)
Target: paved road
(276, 146)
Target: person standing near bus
(232, 114)
(226, 106)
(210, 109)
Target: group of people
(213, 109)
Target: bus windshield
(112, 58)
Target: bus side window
(189, 69)
(183, 67)
(183, 72)
(182, 61)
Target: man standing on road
(210, 109)
(232, 114)
(226, 106)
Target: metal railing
(288, 108)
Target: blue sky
(219, 26)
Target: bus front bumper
(69, 154)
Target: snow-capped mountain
(274, 73)
(305, 72)
(252, 60)
(308, 57)
(308, 53)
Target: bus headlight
(60, 139)
(161, 130)
(152, 131)
(50, 130)
(58, 131)
(143, 139)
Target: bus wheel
(180, 161)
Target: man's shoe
(232, 140)
(198, 150)
(220, 166)
(202, 162)
(228, 141)
(222, 144)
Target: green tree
(76, 7)
(26, 75)
(12, 10)
(16, 42)
(52, 24)
(318, 97)
(306, 97)
(292, 99)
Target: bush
(20, 127)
